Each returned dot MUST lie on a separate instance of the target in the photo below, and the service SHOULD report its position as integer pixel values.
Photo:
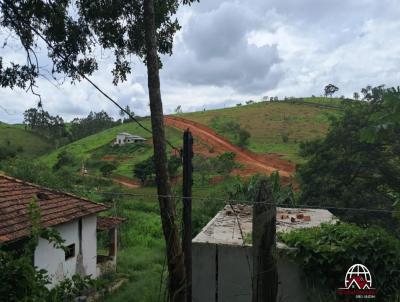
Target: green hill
(275, 127)
(24, 141)
(97, 147)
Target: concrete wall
(222, 273)
(89, 245)
(53, 260)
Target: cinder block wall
(222, 273)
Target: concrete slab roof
(224, 227)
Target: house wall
(222, 273)
(53, 260)
(89, 244)
(121, 139)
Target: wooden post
(265, 274)
(187, 210)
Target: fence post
(265, 274)
(187, 210)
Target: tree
(107, 169)
(356, 96)
(46, 125)
(64, 158)
(330, 89)
(71, 30)
(225, 163)
(348, 170)
(203, 166)
(178, 109)
(144, 170)
(243, 138)
(93, 123)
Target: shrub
(327, 252)
(243, 138)
(107, 168)
(64, 158)
(225, 163)
(285, 137)
(144, 170)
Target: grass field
(98, 145)
(275, 127)
(29, 143)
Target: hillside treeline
(60, 133)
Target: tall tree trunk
(175, 262)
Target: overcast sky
(232, 51)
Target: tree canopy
(358, 163)
(71, 30)
(330, 89)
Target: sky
(231, 51)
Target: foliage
(285, 137)
(328, 251)
(387, 118)
(330, 89)
(203, 166)
(46, 125)
(7, 152)
(38, 173)
(107, 168)
(225, 163)
(345, 170)
(19, 280)
(243, 138)
(64, 158)
(232, 130)
(95, 122)
(144, 170)
(73, 28)
(244, 190)
(174, 163)
(68, 289)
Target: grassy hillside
(276, 127)
(97, 147)
(26, 142)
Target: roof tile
(56, 208)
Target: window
(70, 251)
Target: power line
(229, 201)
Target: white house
(127, 138)
(222, 259)
(73, 217)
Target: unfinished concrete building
(222, 255)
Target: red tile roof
(55, 207)
(109, 222)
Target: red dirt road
(253, 163)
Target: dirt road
(254, 163)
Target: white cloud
(234, 50)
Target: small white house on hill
(73, 217)
(127, 138)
